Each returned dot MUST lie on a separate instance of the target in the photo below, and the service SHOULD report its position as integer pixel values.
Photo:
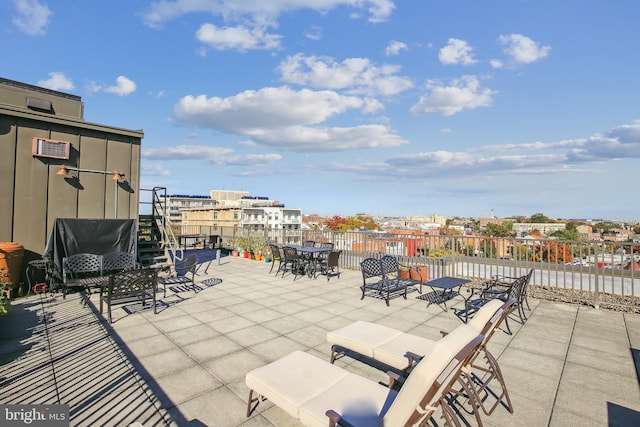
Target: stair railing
(159, 215)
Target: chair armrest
(395, 377)
(413, 358)
(335, 419)
(499, 280)
(478, 288)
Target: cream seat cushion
(393, 352)
(293, 380)
(362, 337)
(306, 387)
(359, 400)
(390, 346)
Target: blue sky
(457, 107)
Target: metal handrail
(159, 215)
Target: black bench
(88, 270)
(381, 278)
(128, 286)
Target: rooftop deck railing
(599, 274)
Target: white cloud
(355, 75)
(153, 169)
(240, 38)
(620, 142)
(537, 158)
(56, 81)
(522, 49)
(313, 33)
(258, 11)
(123, 87)
(268, 108)
(283, 118)
(462, 94)
(93, 87)
(394, 47)
(320, 139)
(456, 52)
(32, 17)
(214, 155)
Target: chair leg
(470, 392)
(250, 401)
(335, 352)
(493, 363)
(506, 322)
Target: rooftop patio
(185, 366)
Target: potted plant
(243, 245)
(259, 246)
(5, 293)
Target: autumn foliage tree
(553, 252)
(338, 223)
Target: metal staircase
(157, 244)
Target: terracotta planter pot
(422, 273)
(403, 273)
(235, 253)
(11, 255)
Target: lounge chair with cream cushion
(401, 350)
(318, 393)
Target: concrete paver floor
(185, 366)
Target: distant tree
(505, 229)
(604, 227)
(539, 218)
(567, 234)
(367, 222)
(335, 222)
(553, 252)
(338, 223)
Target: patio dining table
(444, 289)
(310, 253)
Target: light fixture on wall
(116, 176)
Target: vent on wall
(40, 104)
(52, 148)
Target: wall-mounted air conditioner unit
(43, 147)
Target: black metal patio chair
(330, 265)
(275, 257)
(503, 288)
(180, 273)
(296, 263)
